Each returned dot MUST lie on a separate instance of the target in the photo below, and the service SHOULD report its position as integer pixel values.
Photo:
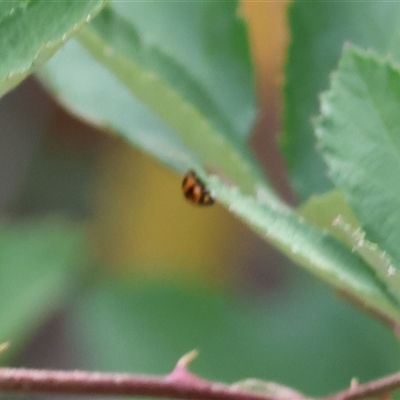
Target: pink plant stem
(179, 384)
(184, 386)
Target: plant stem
(179, 384)
(96, 383)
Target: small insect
(195, 191)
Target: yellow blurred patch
(268, 37)
(142, 220)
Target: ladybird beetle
(195, 191)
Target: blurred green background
(104, 265)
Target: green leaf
(32, 30)
(313, 249)
(200, 89)
(209, 41)
(38, 265)
(358, 135)
(319, 30)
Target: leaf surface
(316, 250)
(192, 103)
(319, 30)
(359, 137)
(32, 30)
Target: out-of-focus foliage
(138, 327)
(40, 264)
(176, 80)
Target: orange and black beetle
(195, 191)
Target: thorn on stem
(4, 346)
(181, 373)
(353, 383)
(186, 359)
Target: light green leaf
(205, 123)
(31, 31)
(38, 265)
(319, 29)
(315, 250)
(359, 137)
(209, 41)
